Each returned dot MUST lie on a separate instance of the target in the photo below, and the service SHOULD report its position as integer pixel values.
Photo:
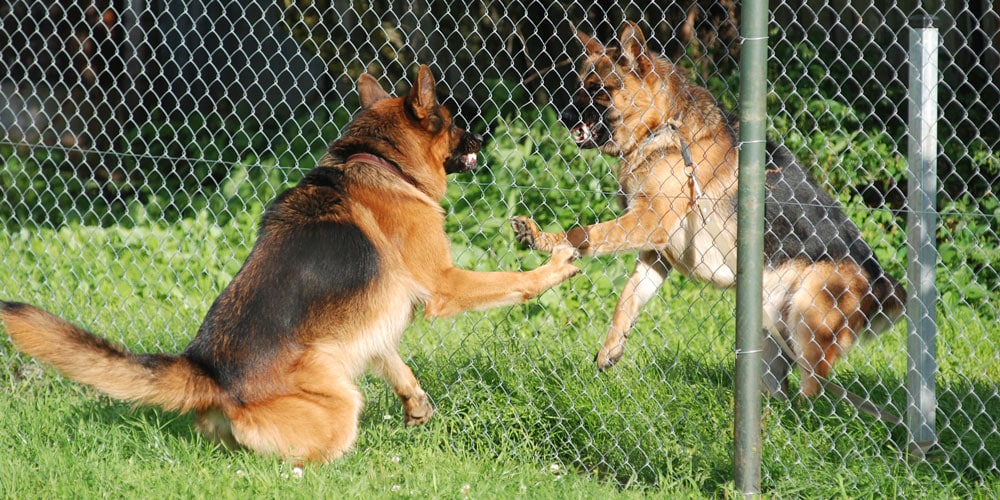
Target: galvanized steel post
(921, 237)
(750, 244)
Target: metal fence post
(750, 244)
(921, 234)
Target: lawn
(520, 408)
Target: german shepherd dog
(340, 263)
(677, 179)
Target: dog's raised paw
(525, 230)
(565, 253)
(563, 257)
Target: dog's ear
(590, 44)
(370, 91)
(422, 99)
(634, 49)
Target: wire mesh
(141, 137)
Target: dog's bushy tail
(168, 381)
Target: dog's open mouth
(582, 134)
(589, 135)
(462, 162)
(468, 161)
(465, 157)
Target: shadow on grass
(664, 420)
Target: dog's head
(624, 93)
(414, 133)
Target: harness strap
(694, 186)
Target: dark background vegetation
(154, 113)
(496, 58)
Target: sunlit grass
(521, 408)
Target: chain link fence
(140, 137)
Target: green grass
(521, 409)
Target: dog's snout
(570, 117)
(592, 113)
(471, 142)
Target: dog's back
(310, 258)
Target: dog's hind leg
(826, 316)
(305, 425)
(649, 274)
(214, 425)
(417, 407)
(776, 367)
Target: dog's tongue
(581, 133)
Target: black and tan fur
(822, 284)
(340, 262)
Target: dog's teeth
(581, 133)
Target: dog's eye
(597, 90)
(599, 94)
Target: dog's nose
(473, 141)
(570, 117)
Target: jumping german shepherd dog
(340, 262)
(677, 178)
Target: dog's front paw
(417, 410)
(562, 262)
(528, 234)
(608, 356)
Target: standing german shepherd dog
(340, 262)
(677, 177)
